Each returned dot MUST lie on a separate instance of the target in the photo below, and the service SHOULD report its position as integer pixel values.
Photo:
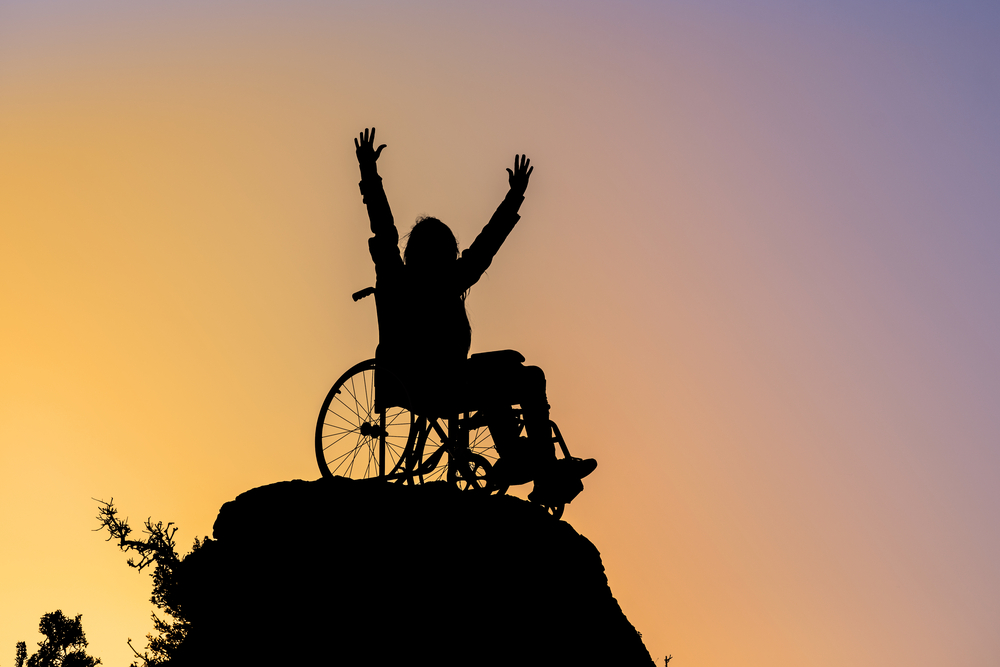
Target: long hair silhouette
(430, 244)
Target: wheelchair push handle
(360, 294)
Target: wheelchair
(362, 433)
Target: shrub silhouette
(63, 645)
(157, 549)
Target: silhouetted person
(424, 332)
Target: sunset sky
(759, 261)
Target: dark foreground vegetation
(64, 645)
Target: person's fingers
(357, 146)
(510, 174)
(378, 151)
(528, 173)
(373, 136)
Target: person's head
(430, 244)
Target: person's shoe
(580, 468)
(555, 490)
(560, 483)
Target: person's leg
(495, 382)
(535, 409)
(486, 388)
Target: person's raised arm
(480, 254)
(371, 183)
(384, 246)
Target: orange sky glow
(757, 261)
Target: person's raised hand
(519, 177)
(364, 146)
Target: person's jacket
(424, 332)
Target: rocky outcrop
(350, 572)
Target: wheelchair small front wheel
(470, 473)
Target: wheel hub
(371, 430)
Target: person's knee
(533, 389)
(534, 377)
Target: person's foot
(560, 483)
(553, 490)
(580, 468)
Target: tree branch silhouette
(158, 549)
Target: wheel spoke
(353, 410)
(357, 404)
(328, 446)
(364, 383)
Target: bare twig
(157, 547)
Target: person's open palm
(364, 146)
(518, 178)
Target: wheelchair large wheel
(352, 439)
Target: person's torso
(424, 331)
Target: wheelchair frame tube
(381, 444)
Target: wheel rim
(481, 444)
(437, 430)
(349, 430)
(470, 474)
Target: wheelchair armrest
(499, 357)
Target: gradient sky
(758, 261)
